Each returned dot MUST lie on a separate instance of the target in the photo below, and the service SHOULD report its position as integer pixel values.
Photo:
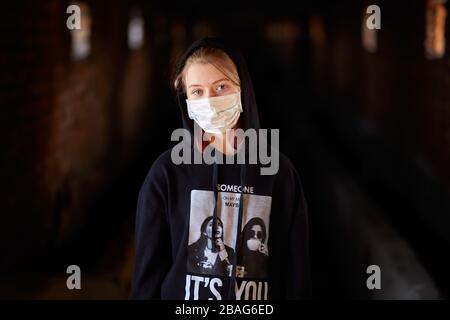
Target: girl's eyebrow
(223, 79)
(198, 85)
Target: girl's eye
(221, 87)
(196, 92)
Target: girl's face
(209, 230)
(203, 80)
(255, 240)
(256, 232)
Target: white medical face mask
(253, 244)
(216, 114)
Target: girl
(215, 94)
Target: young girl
(215, 94)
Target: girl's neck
(225, 143)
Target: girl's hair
(206, 221)
(217, 57)
(202, 240)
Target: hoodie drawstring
(231, 292)
(215, 179)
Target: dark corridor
(364, 115)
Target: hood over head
(249, 117)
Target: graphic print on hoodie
(195, 223)
(212, 255)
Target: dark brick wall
(396, 90)
(385, 117)
(67, 127)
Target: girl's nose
(210, 93)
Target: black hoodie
(259, 220)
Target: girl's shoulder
(158, 169)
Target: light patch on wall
(178, 36)
(81, 37)
(435, 16)
(203, 29)
(136, 30)
(369, 29)
(282, 31)
(317, 30)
